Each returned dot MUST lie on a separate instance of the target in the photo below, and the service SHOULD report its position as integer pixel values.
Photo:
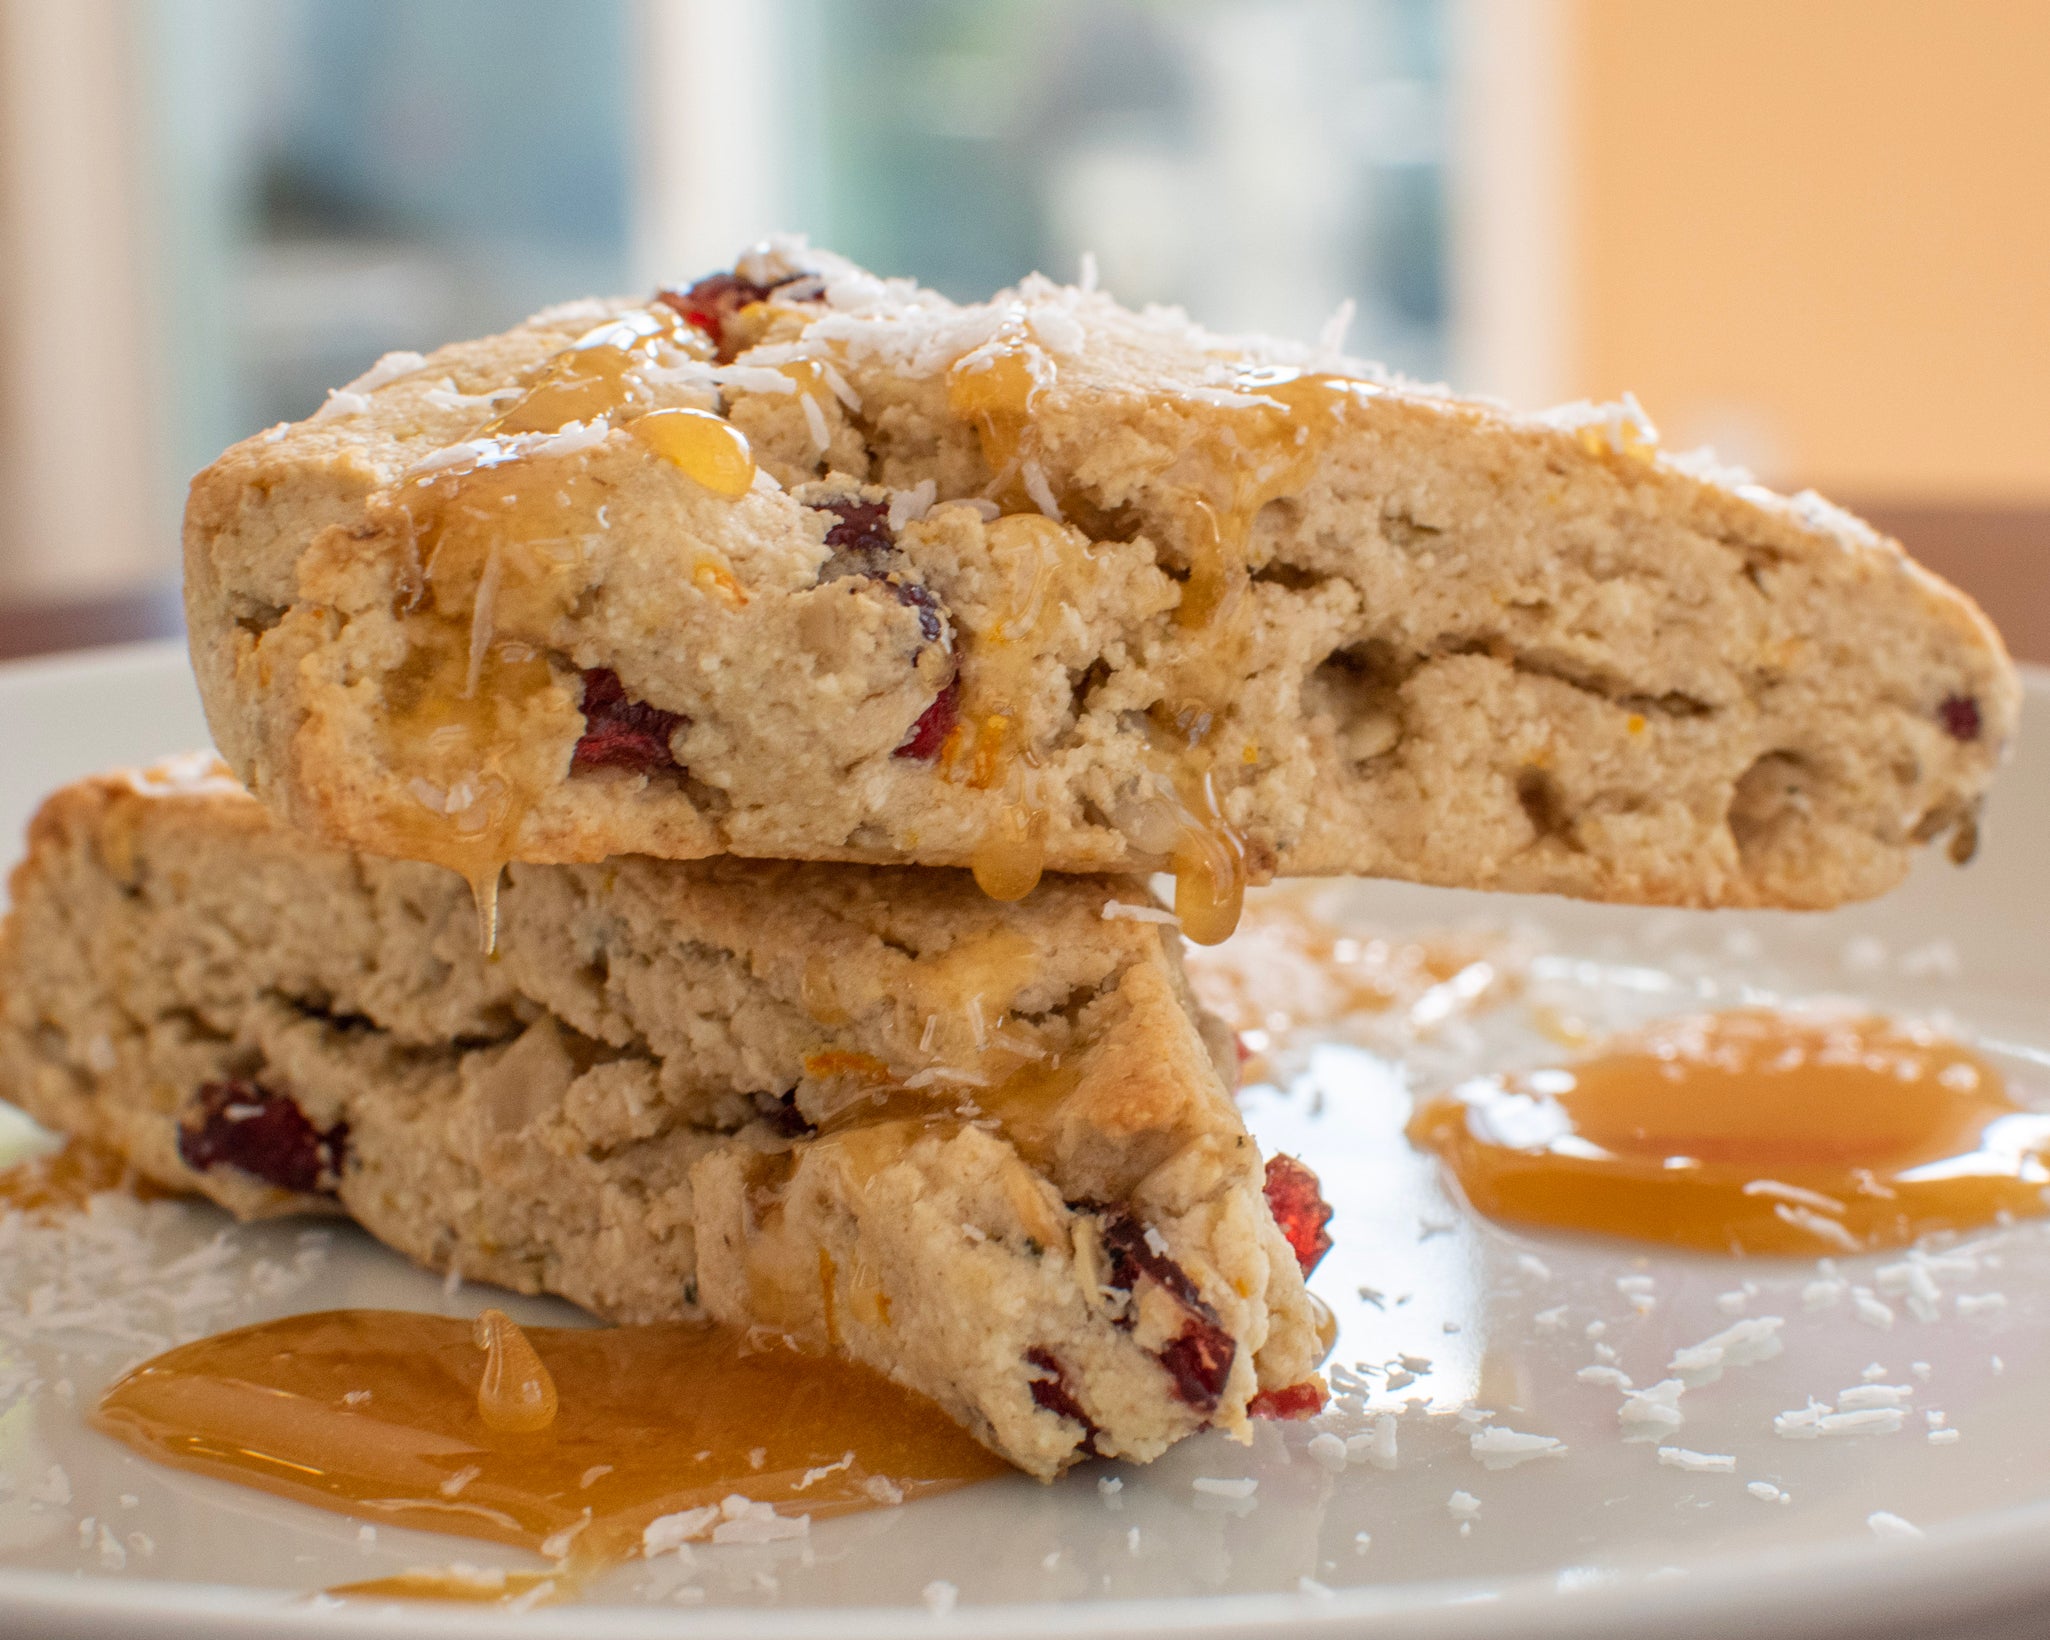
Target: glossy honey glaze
(568, 1441)
(1749, 1132)
(502, 541)
(1247, 454)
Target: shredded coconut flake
(341, 402)
(1817, 1419)
(1860, 1396)
(908, 506)
(1822, 1292)
(387, 369)
(1698, 1463)
(1649, 1412)
(1039, 489)
(1741, 1344)
(1506, 1448)
(754, 378)
(1125, 911)
(1331, 338)
(1328, 1452)
(667, 1532)
(742, 1520)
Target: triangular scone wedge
(983, 1148)
(807, 564)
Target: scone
(984, 1148)
(803, 563)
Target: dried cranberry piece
(1959, 715)
(1131, 1257)
(1052, 1393)
(1199, 1360)
(621, 733)
(864, 544)
(1199, 1357)
(1299, 1207)
(916, 595)
(929, 734)
(715, 299)
(861, 527)
(242, 1124)
(1304, 1400)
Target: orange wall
(1817, 233)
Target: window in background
(1256, 161)
(245, 202)
(338, 178)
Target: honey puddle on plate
(567, 1441)
(1749, 1132)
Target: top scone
(810, 564)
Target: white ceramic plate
(1601, 1541)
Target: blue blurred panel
(1256, 161)
(474, 120)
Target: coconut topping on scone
(986, 1149)
(799, 562)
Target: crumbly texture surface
(1398, 632)
(681, 1090)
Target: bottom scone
(987, 1149)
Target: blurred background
(1813, 233)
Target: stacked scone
(787, 665)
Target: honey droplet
(1010, 857)
(1209, 865)
(704, 447)
(1749, 1132)
(994, 389)
(650, 1421)
(596, 375)
(516, 1396)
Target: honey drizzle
(516, 1395)
(1251, 455)
(376, 1413)
(476, 715)
(1750, 1132)
(1036, 555)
